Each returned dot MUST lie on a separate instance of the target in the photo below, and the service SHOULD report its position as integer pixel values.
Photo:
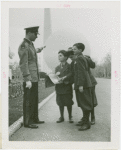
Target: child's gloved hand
(57, 73)
(81, 89)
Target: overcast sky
(97, 26)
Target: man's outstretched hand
(40, 49)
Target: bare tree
(103, 70)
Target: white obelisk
(46, 33)
(47, 24)
(40, 55)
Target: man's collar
(28, 41)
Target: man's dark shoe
(85, 126)
(39, 122)
(92, 120)
(32, 126)
(60, 120)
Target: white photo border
(115, 86)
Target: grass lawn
(16, 104)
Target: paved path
(51, 131)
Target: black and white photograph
(63, 60)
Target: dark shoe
(32, 126)
(93, 121)
(71, 120)
(60, 120)
(85, 126)
(39, 122)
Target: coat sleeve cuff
(27, 78)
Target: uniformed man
(29, 68)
